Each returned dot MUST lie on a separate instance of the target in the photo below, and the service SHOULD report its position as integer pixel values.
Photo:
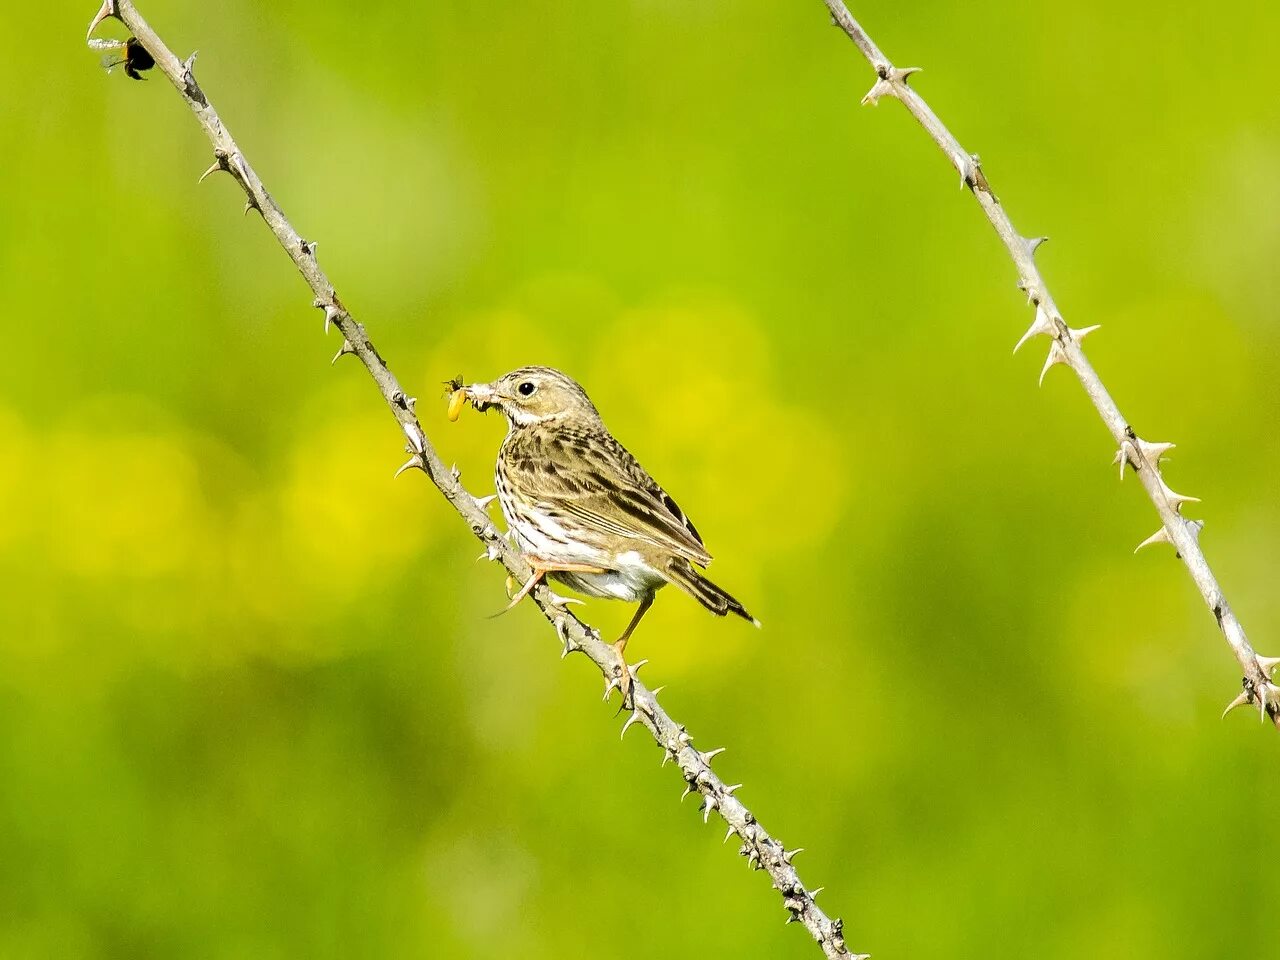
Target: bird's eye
(526, 389)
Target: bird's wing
(594, 480)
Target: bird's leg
(620, 645)
(541, 567)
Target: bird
(580, 508)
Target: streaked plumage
(574, 497)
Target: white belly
(630, 579)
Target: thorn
(1155, 452)
(491, 552)
(688, 789)
(655, 691)
(556, 600)
(635, 667)
(1078, 335)
(330, 315)
(1033, 243)
(964, 165)
(684, 738)
(413, 463)
(455, 472)
(1176, 500)
(1056, 356)
(711, 755)
(1124, 456)
(1040, 325)
(900, 74)
(813, 894)
(414, 440)
(249, 205)
(729, 791)
(881, 88)
(346, 348)
(188, 65)
(1239, 701)
(1268, 665)
(667, 754)
(731, 831)
(1033, 295)
(108, 9)
(789, 855)
(710, 804)
(217, 166)
(612, 684)
(1160, 536)
(484, 502)
(635, 717)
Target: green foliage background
(250, 705)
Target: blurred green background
(250, 705)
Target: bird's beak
(480, 394)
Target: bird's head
(529, 395)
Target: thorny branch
(1141, 455)
(763, 851)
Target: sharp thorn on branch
(711, 755)
(1155, 452)
(729, 833)
(1056, 356)
(708, 805)
(813, 894)
(330, 316)
(1160, 536)
(634, 718)
(1040, 326)
(455, 472)
(1268, 665)
(789, 855)
(345, 349)
(1033, 243)
(249, 205)
(555, 600)
(730, 790)
(484, 502)
(1078, 335)
(217, 166)
(108, 9)
(413, 463)
(612, 684)
(1033, 294)
(1124, 457)
(1176, 500)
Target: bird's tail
(685, 576)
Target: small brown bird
(580, 507)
